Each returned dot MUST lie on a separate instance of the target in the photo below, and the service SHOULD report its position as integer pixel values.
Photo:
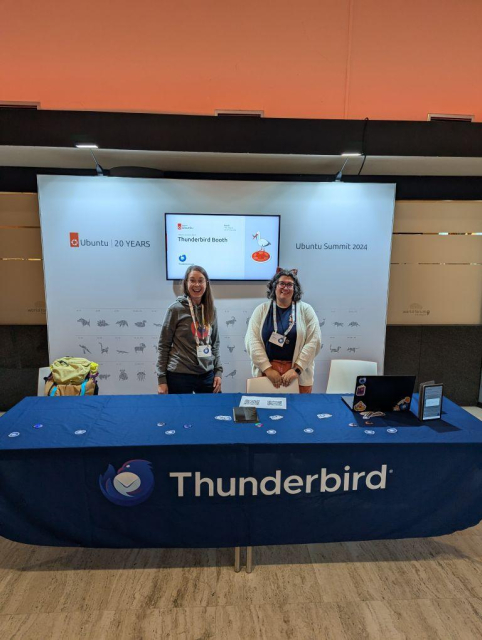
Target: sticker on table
(392, 430)
(37, 426)
(360, 406)
(14, 434)
(276, 417)
(187, 426)
(80, 432)
(223, 418)
(353, 424)
(308, 430)
(271, 432)
(361, 390)
(369, 422)
(161, 424)
(363, 380)
(323, 415)
(258, 424)
(171, 432)
(369, 432)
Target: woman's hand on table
(162, 388)
(274, 377)
(217, 384)
(288, 377)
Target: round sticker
(363, 380)
(186, 426)
(323, 415)
(80, 432)
(368, 422)
(223, 418)
(14, 434)
(392, 430)
(271, 432)
(308, 430)
(37, 426)
(161, 424)
(171, 432)
(275, 417)
(353, 424)
(369, 432)
(259, 424)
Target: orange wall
(385, 59)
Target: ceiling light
(350, 154)
(87, 145)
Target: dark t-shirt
(283, 319)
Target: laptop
(381, 393)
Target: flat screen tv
(228, 246)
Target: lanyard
(292, 318)
(196, 322)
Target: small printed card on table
(262, 402)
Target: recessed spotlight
(87, 145)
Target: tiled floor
(421, 588)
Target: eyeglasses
(285, 285)
(199, 282)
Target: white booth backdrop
(105, 278)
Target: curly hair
(297, 291)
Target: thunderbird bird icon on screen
(131, 485)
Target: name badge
(204, 351)
(277, 339)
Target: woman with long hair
(188, 352)
(283, 336)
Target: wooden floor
(420, 588)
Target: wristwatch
(297, 369)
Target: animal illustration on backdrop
(122, 323)
(84, 322)
(104, 376)
(231, 349)
(322, 323)
(140, 348)
(118, 351)
(141, 324)
(232, 374)
(141, 376)
(353, 324)
(132, 484)
(157, 324)
(352, 349)
(102, 323)
(231, 322)
(123, 375)
(338, 324)
(334, 350)
(84, 349)
(103, 349)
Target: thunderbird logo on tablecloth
(131, 485)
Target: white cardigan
(307, 347)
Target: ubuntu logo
(74, 239)
(131, 485)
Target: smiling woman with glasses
(188, 351)
(283, 336)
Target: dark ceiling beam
(159, 132)
(24, 179)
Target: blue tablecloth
(162, 471)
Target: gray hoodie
(177, 344)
